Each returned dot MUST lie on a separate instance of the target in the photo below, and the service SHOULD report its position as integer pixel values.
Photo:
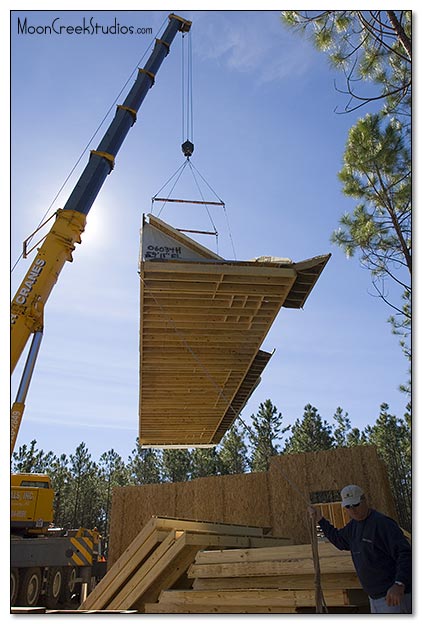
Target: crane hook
(187, 148)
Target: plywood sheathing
(260, 499)
(212, 499)
(203, 320)
(325, 471)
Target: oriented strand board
(264, 499)
(324, 471)
(203, 320)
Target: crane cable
(187, 88)
(320, 604)
(111, 107)
(187, 141)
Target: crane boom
(28, 303)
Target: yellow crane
(46, 561)
(27, 309)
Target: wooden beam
(211, 528)
(346, 580)
(142, 546)
(271, 568)
(277, 553)
(215, 608)
(255, 597)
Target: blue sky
(267, 140)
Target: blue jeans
(379, 605)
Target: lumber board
(168, 577)
(239, 271)
(199, 526)
(268, 541)
(347, 580)
(139, 549)
(133, 588)
(256, 597)
(176, 608)
(165, 566)
(271, 553)
(271, 568)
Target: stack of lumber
(159, 557)
(266, 580)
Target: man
(381, 554)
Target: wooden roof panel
(203, 320)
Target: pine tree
(356, 437)
(204, 463)
(83, 496)
(31, 459)
(267, 430)
(310, 434)
(391, 436)
(374, 48)
(233, 452)
(112, 472)
(376, 172)
(144, 466)
(343, 428)
(370, 49)
(176, 465)
(61, 480)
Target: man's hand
(315, 513)
(394, 595)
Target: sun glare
(97, 228)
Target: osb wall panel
(132, 508)
(267, 499)
(317, 472)
(234, 499)
(247, 501)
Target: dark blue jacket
(381, 554)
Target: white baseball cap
(351, 495)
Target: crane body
(47, 563)
(27, 308)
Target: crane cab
(32, 497)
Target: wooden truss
(203, 321)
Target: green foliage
(84, 488)
(143, 466)
(267, 429)
(392, 437)
(84, 498)
(344, 434)
(369, 47)
(373, 49)
(62, 482)
(233, 452)
(29, 459)
(204, 463)
(175, 465)
(376, 171)
(112, 472)
(310, 433)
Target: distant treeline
(84, 487)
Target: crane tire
(14, 585)
(54, 588)
(29, 587)
(69, 583)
